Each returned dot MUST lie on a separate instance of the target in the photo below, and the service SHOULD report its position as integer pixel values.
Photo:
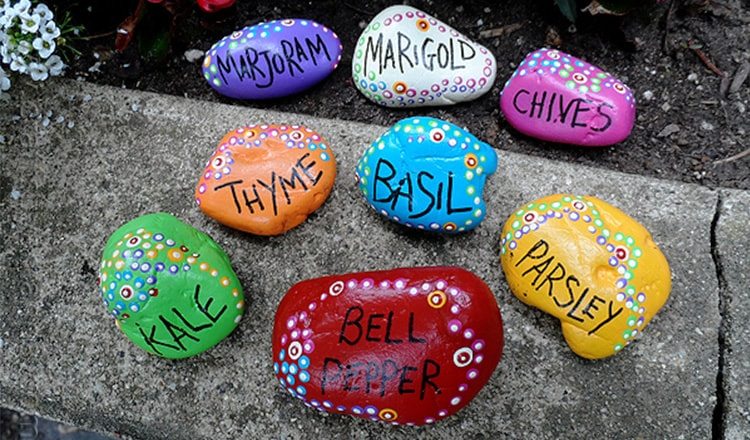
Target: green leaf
(568, 8)
(155, 46)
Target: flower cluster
(28, 39)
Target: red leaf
(211, 6)
(126, 28)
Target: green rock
(170, 287)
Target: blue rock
(427, 174)
(273, 59)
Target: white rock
(406, 58)
(193, 55)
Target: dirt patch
(686, 128)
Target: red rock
(405, 346)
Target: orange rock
(267, 179)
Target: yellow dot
(235, 292)
(191, 260)
(159, 246)
(225, 281)
(241, 304)
(214, 273)
(204, 266)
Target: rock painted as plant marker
(406, 346)
(427, 174)
(557, 97)
(588, 264)
(273, 59)
(266, 179)
(407, 58)
(170, 288)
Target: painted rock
(557, 97)
(266, 179)
(588, 264)
(407, 58)
(427, 174)
(273, 59)
(170, 288)
(406, 346)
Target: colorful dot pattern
(404, 92)
(249, 34)
(129, 276)
(576, 74)
(219, 165)
(623, 250)
(292, 362)
(410, 138)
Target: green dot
(376, 26)
(233, 45)
(595, 88)
(598, 222)
(519, 212)
(502, 251)
(619, 236)
(372, 76)
(618, 347)
(631, 321)
(378, 98)
(630, 290)
(632, 263)
(470, 190)
(569, 67)
(596, 80)
(556, 204)
(217, 83)
(207, 76)
(564, 73)
(605, 232)
(508, 236)
(626, 334)
(595, 212)
(628, 275)
(515, 225)
(433, 124)
(213, 68)
(570, 84)
(583, 89)
(543, 206)
(629, 241)
(601, 75)
(637, 252)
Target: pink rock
(557, 97)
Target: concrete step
(65, 186)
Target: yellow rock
(588, 264)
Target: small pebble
(648, 95)
(706, 126)
(15, 194)
(692, 77)
(193, 55)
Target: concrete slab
(65, 187)
(732, 243)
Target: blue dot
(284, 368)
(290, 379)
(324, 157)
(293, 369)
(276, 368)
(304, 376)
(282, 354)
(301, 390)
(304, 362)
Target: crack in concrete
(718, 422)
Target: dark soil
(654, 50)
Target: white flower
(50, 31)
(24, 47)
(55, 65)
(38, 71)
(44, 47)
(18, 63)
(44, 12)
(22, 7)
(4, 53)
(6, 19)
(30, 22)
(4, 81)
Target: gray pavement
(65, 186)
(732, 246)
